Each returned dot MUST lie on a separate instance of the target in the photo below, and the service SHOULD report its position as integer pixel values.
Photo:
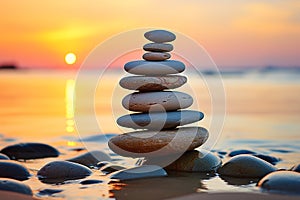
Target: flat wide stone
(157, 101)
(152, 83)
(158, 47)
(158, 143)
(160, 36)
(142, 67)
(159, 121)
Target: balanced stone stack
(158, 109)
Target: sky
(236, 33)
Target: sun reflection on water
(69, 99)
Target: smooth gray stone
(158, 143)
(14, 186)
(157, 101)
(4, 157)
(14, 170)
(196, 161)
(281, 182)
(191, 161)
(246, 166)
(159, 121)
(60, 171)
(296, 168)
(160, 36)
(158, 47)
(145, 171)
(29, 151)
(142, 67)
(156, 56)
(152, 83)
(90, 158)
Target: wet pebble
(49, 192)
(246, 166)
(29, 151)
(3, 157)
(90, 182)
(107, 169)
(14, 170)
(281, 182)
(145, 171)
(296, 168)
(14, 186)
(239, 152)
(60, 171)
(90, 158)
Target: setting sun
(70, 58)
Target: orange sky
(38, 33)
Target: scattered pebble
(107, 169)
(60, 171)
(14, 186)
(90, 182)
(14, 170)
(281, 182)
(48, 192)
(29, 151)
(3, 157)
(246, 166)
(90, 158)
(239, 152)
(145, 171)
(296, 168)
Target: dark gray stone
(60, 171)
(90, 158)
(160, 36)
(158, 121)
(14, 186)
(29, 151)
(246, 166)
(281, 182)
(145, 171)
(142, 67)
(3, 157)
(107, 169)
(239, 152)
(158, 47)
(90, 182)
(14, 170)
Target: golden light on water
(69, 95)
(70, 58)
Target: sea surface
(257, 110)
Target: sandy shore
(236, 196)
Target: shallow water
(262, 115)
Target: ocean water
(259, 111)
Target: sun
(70, 58)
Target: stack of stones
(158, 109)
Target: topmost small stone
(160, 36)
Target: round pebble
(155, 56)
(142, 67)
(3, 157)
(196, 161)
(240, 151)
(158, 47)
(296, 168)
(246, 166)
(152, 83)
(145, 171)
(281, 181)
(160, 36)
(59, 171)
(159, 121)
(29, 151)
(153, 143)
(14, 186)
(90, 158)
(157, 101)
(14, 170)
